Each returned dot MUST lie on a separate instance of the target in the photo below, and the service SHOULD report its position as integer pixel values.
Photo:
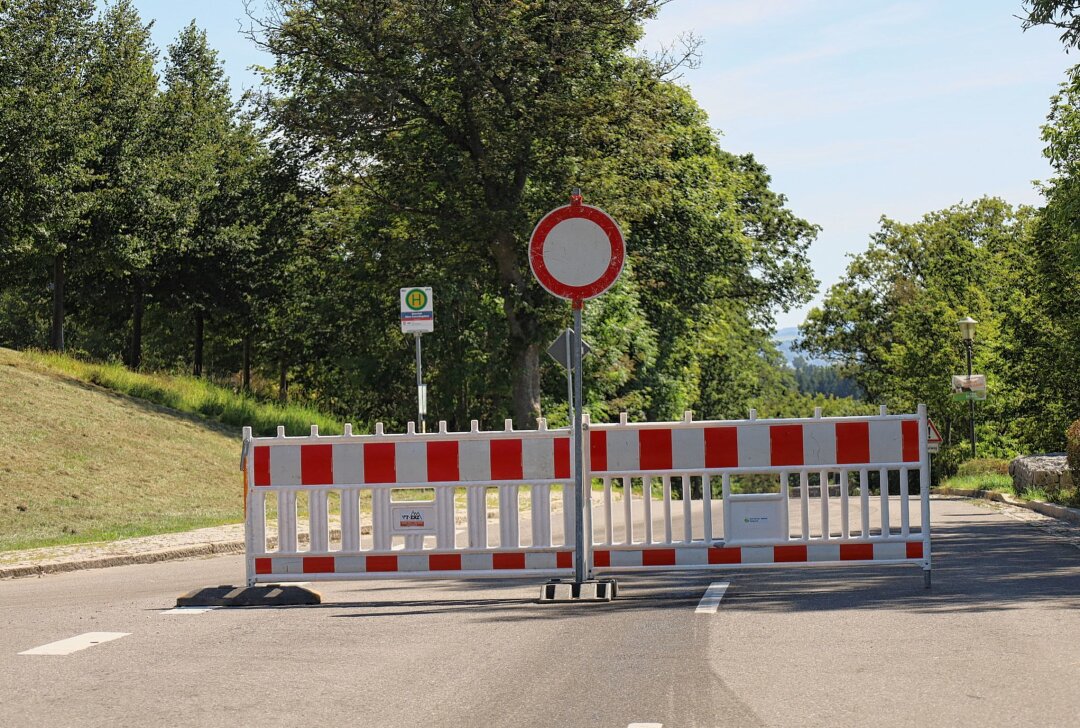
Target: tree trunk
(199, 326)
(137, 304)
(56, 335)
(526, 398)
(246, 381)
(283, 382)
(524, 330)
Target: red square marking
(785, 445)
(506, 460)
(598, 450)
(783, 554)
(264, 566)
(725, 556)
(721, 447)
(856, 552)
(318, 564)
(317, 464)
(562, 457)
(508, 561)
(381, 563)
(444, 562)
(601, 558)
(909, 430)
(442, 461)
(262, 466)
(654, 449)
(658, 557)
(379, 463)
(564, 559)
(852, 442)
(914, 549)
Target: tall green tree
(48, 142)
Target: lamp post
(967, 330)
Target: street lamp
(967, 330)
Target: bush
(983, 466)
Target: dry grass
(79, 463)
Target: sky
(858, 108)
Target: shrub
(983, 466)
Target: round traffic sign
(576, 251)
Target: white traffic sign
(417, 310)
(933, 437)
(576, 251)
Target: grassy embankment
(93, 452)
(993, 475)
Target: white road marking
(189, 610)
(711, 599)
(76, 643)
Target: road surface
(993, 643)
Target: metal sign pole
(420, 404)
(580, 567)
(569, 382)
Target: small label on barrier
(412, 519)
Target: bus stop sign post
(577, 252)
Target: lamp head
(967, 328)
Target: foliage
(191, 395)
(1061, 14)
(1072, 451)
(983, 466)
(817, 379)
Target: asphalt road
(993, 643)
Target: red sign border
(536, 252)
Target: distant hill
(785, 339)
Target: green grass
(79, 463)
(185, 394)
(1003, 484)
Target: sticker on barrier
(671, 495)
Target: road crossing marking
(711, 599)
(76, 643)
(189, 610)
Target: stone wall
(1048, 471)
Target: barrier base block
(262, 595)
(593, 590)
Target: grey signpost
(577, 252)
(418, 318)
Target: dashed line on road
(711, 599)
(76, 643)
(188, 610)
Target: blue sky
(858, 108)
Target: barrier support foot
(926, 578)
(592, 590)
(262, 595)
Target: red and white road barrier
(766, 471)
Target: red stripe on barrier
(442, 461)
(722, 447)
(654, 449)
(789, 553)
(379, 462)
(598, 450)
(562, 457)
(909, 430)
(856, 552)
(785, 445)
(381, 563)
(508, 561)
(262, 466)
(444, 562)
(318, 564)
(601, 558)
(658, 557)
(725, 556)
(317, 464)
(914, 549)
(264, 566)
(564, 560)
(852, 442)
(506, 460)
